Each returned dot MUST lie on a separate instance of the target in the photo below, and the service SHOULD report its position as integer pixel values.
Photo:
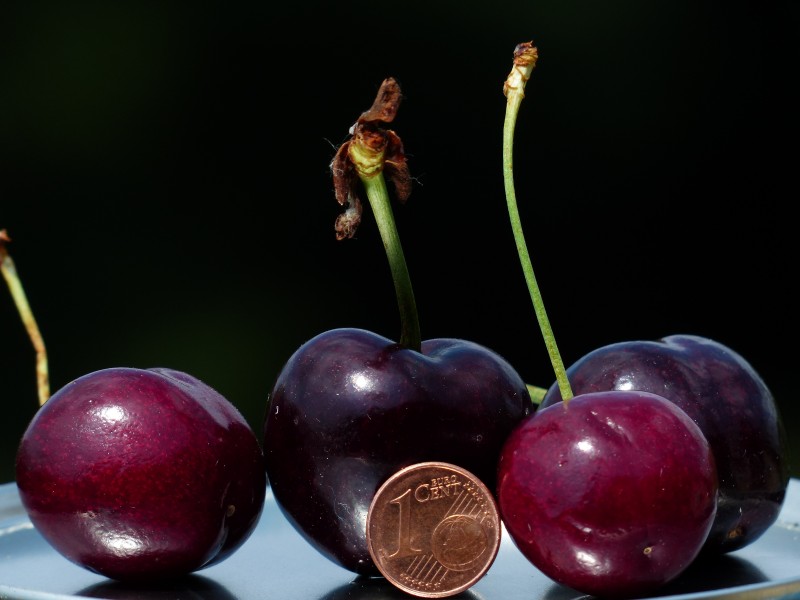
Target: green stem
(537, 393)
(525, 56)
(9, 271)
(375, 186)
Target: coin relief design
(433, 529)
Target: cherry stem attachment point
(525, 57)
(9, 271)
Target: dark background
(164, 177)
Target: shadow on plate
(191, 587)
(714, 573)
(704, 575)
(378, 588)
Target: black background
(164, 177)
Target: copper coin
(433, 529)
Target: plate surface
(277, 563)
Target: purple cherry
(351, 407)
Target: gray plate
(277, 563)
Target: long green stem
(9, 271)
(525, 57)
(375, 186)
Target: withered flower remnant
(372, 150)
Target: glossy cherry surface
(141, 474)
(351, 407)
(612, 495)
(731, 404)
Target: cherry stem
(537, 393)
(9, 271)
(375, 186)
(525, 57)
(372, 154)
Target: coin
(433, 529)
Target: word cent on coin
(433, 529)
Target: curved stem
(375, 186)
(9, 271)
(525, 56)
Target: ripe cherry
(141, 474)
(730, 403)
(351, 407)
(612, 495)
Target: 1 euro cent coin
(433, 529)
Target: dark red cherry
(612, 494)
(141, 474)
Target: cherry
(610, 493)
(613, 495)
(136, 474)
(351, 407)
(731, 404)
(141, 474)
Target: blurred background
(164, 178)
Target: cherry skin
(612, 494)
(731, 404)
(141, 474)
(351, 407)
